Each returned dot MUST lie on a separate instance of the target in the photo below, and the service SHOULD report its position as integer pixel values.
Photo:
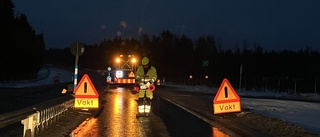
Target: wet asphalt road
(118, 118)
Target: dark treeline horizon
(176, 57)
(22, 49)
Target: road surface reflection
(118, 119)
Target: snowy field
(45, 77)
(304, 114)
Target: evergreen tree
(22, 50)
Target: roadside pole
(77, 49)
(240, 78)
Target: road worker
(146, 75)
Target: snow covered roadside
(45, 77)
(250, 93)
(303, 114)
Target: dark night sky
(273, 24)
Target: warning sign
(131, 74)
(226, 99)
(86, 103)
(86, 95)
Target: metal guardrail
(9, 118)
(38, 117)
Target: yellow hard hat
(145, 61)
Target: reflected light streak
(86, 128)
(132, 105)
(116, 129)
(132, 126)
(117, 105)
(119, 120)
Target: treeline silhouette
(178, 57)
(175, 57)
(21, 50)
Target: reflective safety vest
(151, 75)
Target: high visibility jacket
(149, 76)
(143, 78)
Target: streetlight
(190, 77)
(206, 79)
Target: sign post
(226, 99)
(86, 95)
(77, 49)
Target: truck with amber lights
(123, 70)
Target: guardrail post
(29, 124)
(36, 120)
(36, 123)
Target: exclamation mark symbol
(226, 92)
(85, 87)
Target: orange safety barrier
(125, 81)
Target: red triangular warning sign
(226, 93)
(85, 88)
(131, 74)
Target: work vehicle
(123, 70)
